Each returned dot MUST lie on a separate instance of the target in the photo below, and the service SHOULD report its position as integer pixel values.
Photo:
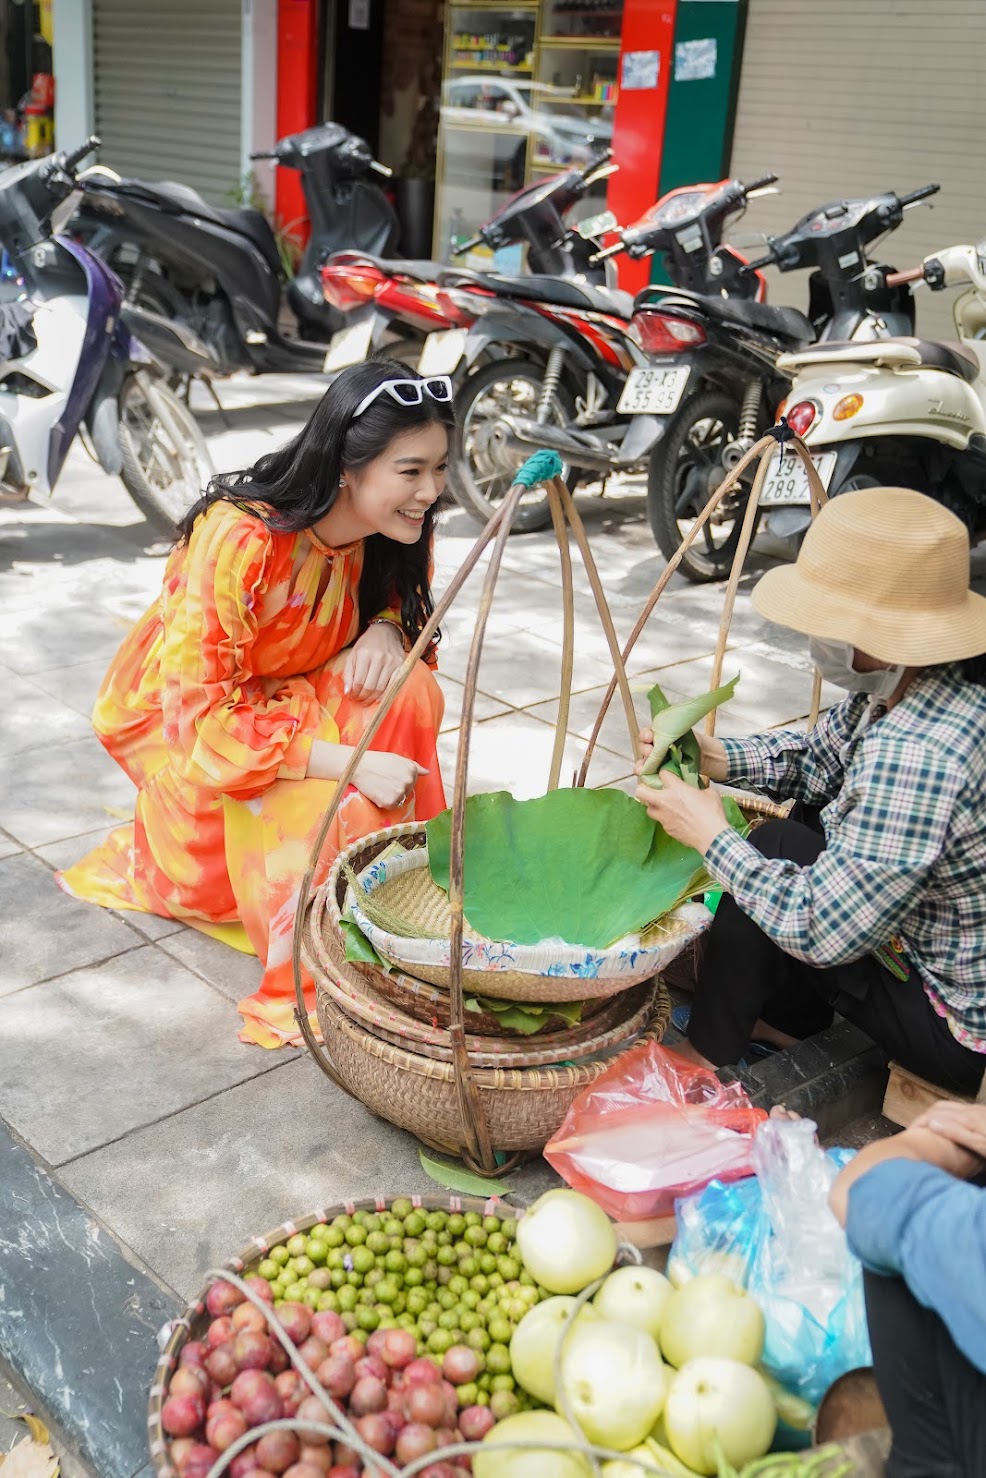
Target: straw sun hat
(886, 569)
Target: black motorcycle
(217, 275)
(713, 370)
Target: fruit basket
(401, 879)
(193, 1323)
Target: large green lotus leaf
(585, 866)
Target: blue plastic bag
(775, 1235)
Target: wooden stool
(907, 1096)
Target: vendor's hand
(387, 779)
(713, 752)
(693, 816)
(372, 661)
(963, 1124)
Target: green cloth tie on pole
(540, 467)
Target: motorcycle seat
(954, 359)
(182, 199)
(563, 293)
(782, 323)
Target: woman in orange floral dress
(288, 603)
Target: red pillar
(297, 94)
(638, 123)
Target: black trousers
(934, 1397)
(744, 976)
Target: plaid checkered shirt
(905, 828)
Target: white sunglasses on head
(409, 392)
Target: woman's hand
(373, 660)
(693, 816)
(962, 1124)
(713, 762)
(387, 779)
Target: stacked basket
(388, 1027)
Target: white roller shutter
(847, 97)
(167, 77)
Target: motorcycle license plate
(653, 391)
(786, 482)
(349, 346)
(442, 351)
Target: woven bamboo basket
(415, 895)
(194, 1321)
(523, 1107)
(478, 1112)
(619, 1020)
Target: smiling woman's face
(392, 494)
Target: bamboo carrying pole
(764, 449)
(478, 1150)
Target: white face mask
(834, 660)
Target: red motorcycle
(395, 305)
(571, 373)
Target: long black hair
(293, 488)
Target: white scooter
(902, 412)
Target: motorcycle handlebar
(76, 156)
(607, 252)
(758, 264)
(761, 184)
(471, 245)
(383, 169)
(921, 194)
(264, 154)
(910, 274)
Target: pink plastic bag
(654, 1127)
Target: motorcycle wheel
(679, 486)
(481, 472)
(166, 462)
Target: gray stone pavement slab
(103, 1050)
(30, 717)
(8, 846)
(513, 752)
(228, 970)
(44, 933)
(189, 1192)
(77, 1319)
(31, 642)
(485, 706)
(76, 686)
(62, 791)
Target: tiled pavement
(120, 1069)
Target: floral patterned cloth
(211, 706)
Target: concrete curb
(78, 1318)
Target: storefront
(26, 79)
(531, 88)
(182, 90)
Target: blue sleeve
(921, 1224)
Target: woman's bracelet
(401, 633)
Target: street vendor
(870, 899)
(293, 593)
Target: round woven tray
(421, 897)
(524, 1106)
(430, 1003)
(624, 1018)
(194, 1321)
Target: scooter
(72, 364)
(903, 412)
(396, 305)
(217, 275)
(715, 376)
(570, 350)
